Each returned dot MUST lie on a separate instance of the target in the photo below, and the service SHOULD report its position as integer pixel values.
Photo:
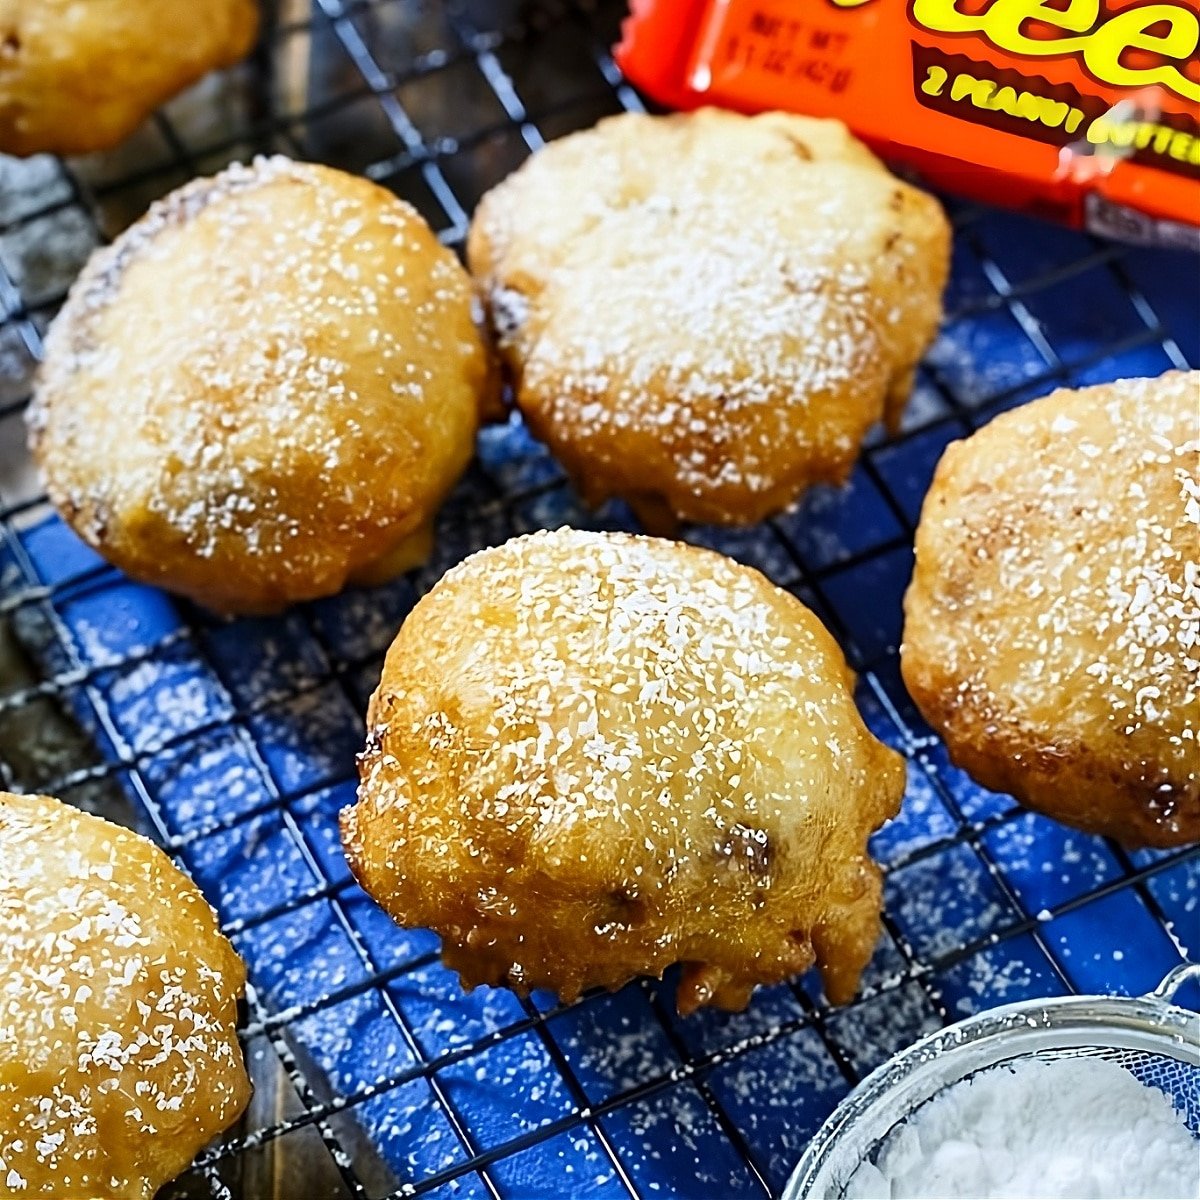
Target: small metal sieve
(1155, 1040)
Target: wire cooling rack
(232, 743)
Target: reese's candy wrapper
(1086, 111)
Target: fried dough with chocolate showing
(1052, 631)
(77, 77)
(119, 1057)
(704, 313)
(591, 756)
(263, 389)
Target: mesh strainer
(1155, 1040)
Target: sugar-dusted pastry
(703, 314)
(78, 76)
(119, 1056)
(263, 389)
(592, 756)
(1052, 630)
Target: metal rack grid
(232, 743)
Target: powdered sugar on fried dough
(118, 1054)
(708, 310)
(298, 374)
(1053, 624)
(592, 756)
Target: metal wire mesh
(1156, 1047)
(232, 743)
(1177, 1080)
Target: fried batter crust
(1052, 631)
(592, 756)
(77, 77)
(119, 1056)
(264, 388)
(704, 313)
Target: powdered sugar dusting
(614, 714)
(663, 641)
(1037, 1127)
(1153, 607)
(118, 1057)
(254, 331)
(1058, 589)
(699, 288)
(1147, 627)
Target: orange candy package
(1085, 111)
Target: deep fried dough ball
(263, 389)
(119, 1057)
(1053, 622)
(594, 755)
(79, 76)
(704, 314)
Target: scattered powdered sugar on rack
(1072, 1127)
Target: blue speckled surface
(238, 738)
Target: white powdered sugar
(1075, 1127)
(693, 294)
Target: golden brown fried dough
(264, 388)
(1053, 622)
(76, 77)
(119, 1057)
(703, 314)
(594, 755)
